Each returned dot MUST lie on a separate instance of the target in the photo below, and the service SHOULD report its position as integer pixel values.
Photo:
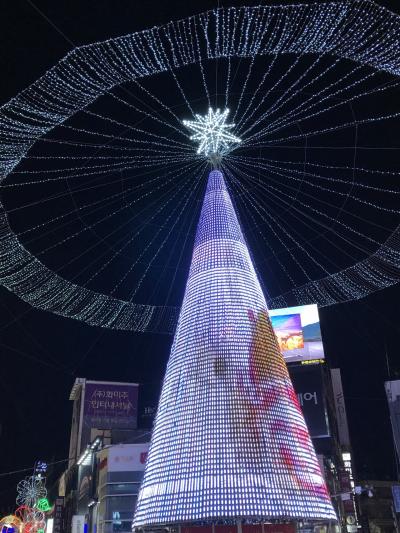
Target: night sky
(42, 354)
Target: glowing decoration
(40, 467)
(31, 490)
(212, 133)
(34, 521)
(22, 511)
(33, 503)
(359, 34)
(43, 505)
(11, 524)
(229, 439)
(34, 526)
(31, 519)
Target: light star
(212, 133)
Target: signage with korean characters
(108, 406)
(127, 457)
(309, 386)
(58, 515)
(115, 404)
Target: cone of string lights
(229, 440)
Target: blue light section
(229, 440)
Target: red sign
(246, 528)
(252, 528)
(103, 463)
(143, 457)
(226, 529)
(344, 478)
(196, 529)
(279, 528)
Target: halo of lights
(360, 32)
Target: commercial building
(106, 459)
(101, 408)
(120, 472)
(377, 508)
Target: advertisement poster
(298, 332)
(108, 406)
(113, 404)
(85, 488)
(102, 467)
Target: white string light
(294, 76)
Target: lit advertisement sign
(108, 406)
(115, 405)
(128, 457)
(298, 332)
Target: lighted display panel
(229, 439)
(298, 332)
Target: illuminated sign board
(298, 332)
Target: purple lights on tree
(229, 439)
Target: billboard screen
(298, 332)
(308, 384)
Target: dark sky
(42, 354)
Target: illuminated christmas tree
(230, 439)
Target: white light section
(49, 525)
(212, 133)
(347, 461)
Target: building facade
(101, 408)
(120, 473)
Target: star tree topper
(212, 134)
